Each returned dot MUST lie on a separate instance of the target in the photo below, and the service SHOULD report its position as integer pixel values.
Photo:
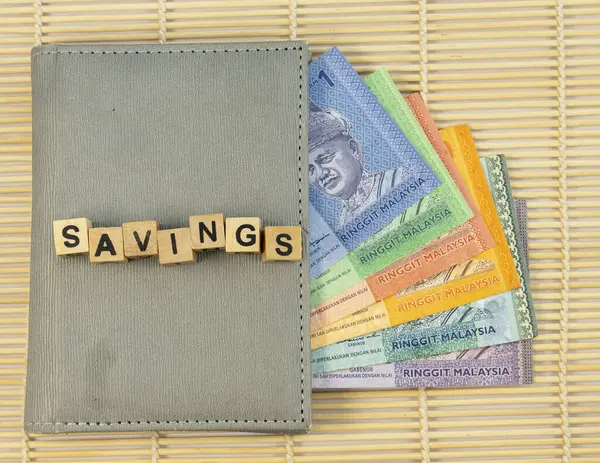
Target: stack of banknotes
(418, 250)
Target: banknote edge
(524, 348)
(502, 193)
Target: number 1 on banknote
(362, 170)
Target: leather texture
(136, 132)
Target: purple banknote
(499, 365)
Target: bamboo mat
(524, 74)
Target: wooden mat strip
(524, 74)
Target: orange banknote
(488, 273)
(454, 247)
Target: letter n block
(282, 243)
(106, 245)
(208, 231)
(242, 234)
(71, 236)
(140, 239)
(175, 247)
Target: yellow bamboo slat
(525, 75)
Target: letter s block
(106, 245)
(242, 234)
(140, 239)
(282, 243)
(175, 247)
(71, 236)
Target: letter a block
(71, 236)
(242, 234)
(106, 245)
(140, 239)
(282, 243)
(175, 247)
(208, 231)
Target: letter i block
(242, 234)
(208, 231)
(106, 245)
(71, 236)
(140, 239)
(282, 243)
(175, 247)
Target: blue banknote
(363, 172)
(502, 318)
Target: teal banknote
(503, 318)
(507, 364)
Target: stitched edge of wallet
(225, 50)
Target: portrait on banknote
(337, 167)
(363, 172)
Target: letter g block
(242, 234)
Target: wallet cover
(139, 132)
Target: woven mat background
(524, 74)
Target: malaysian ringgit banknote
(488, 273)
(462, 243)
(426, 220)
(500, 365)
(363, 172)
(503, 318)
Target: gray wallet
(136, 132)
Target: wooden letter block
(140, 239)
(106, 245)
(242, 234)
(71, 236)
(208, 231)
(282, 243)
(175, 247)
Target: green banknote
(507, 364)
(499, 319)
(434, 215)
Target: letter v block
(106, 245)
(208, 231)
(140, 239)
(71, 236)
